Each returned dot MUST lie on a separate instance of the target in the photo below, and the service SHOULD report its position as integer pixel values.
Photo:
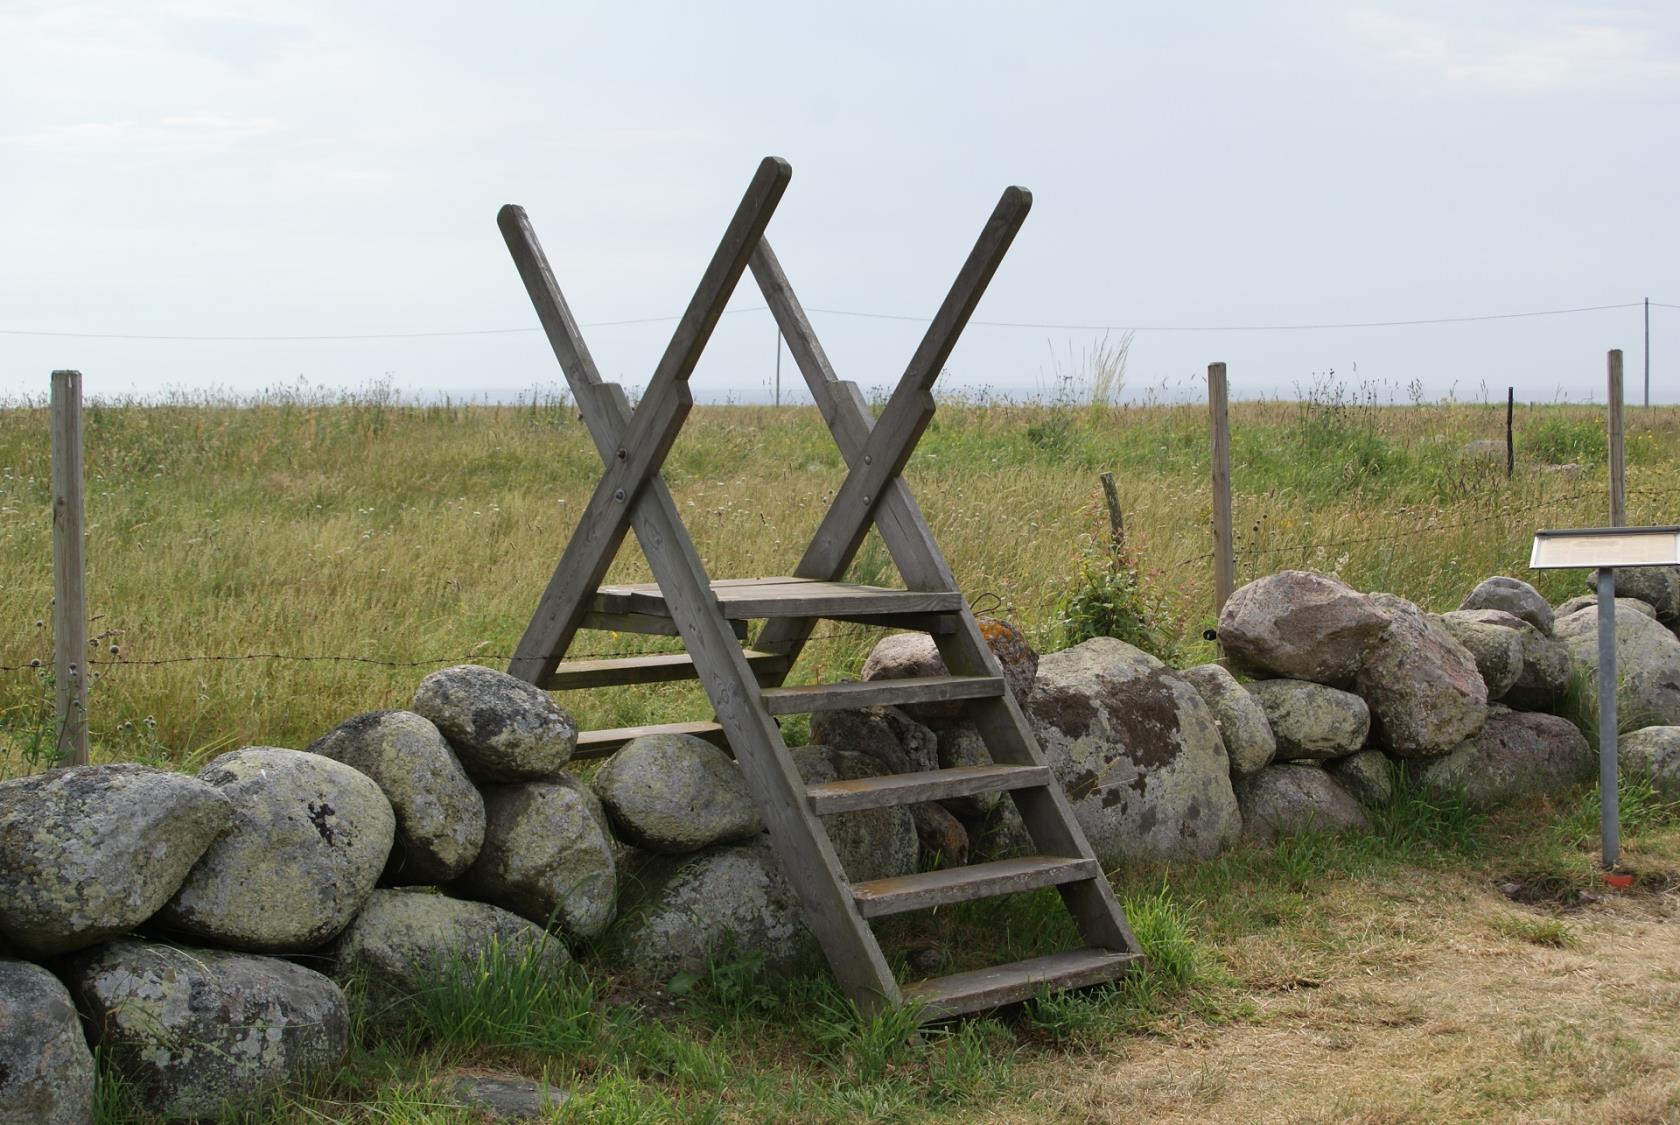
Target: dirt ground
(1438, 1000)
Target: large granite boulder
(309, 840)
(90, 852)
(194, 1032)
(1652, 753)
(1647, 665)
(1312, 722)
(1513, 596)
(675, 793)
(1497, 649)
(871, 843)
(1422, 686)
(1368, 776)
(1243, 726)
(681, 913)
(1138, 752)
(1547, 672)
(503, 728)
(406, 941)
(903, 656)
(46, 1069)
(547, 856)
(1516, 754)
(440, 816)
(1293, 797)
(899, 743)
(1590, 601)
(960, 745)
(1656, 586)
(1299, 624)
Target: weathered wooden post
(1510, 440)
(1116, 518)
(1618, 475)
(1224, 558)
(69, 576)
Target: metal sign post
(1606, 549)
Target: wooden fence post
(1618, 474)
(69, 576)
(1510, 439)
(1116, 518)
(1224, 558)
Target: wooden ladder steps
(981, 989)
(879, 693)
(600, 743)
(879, 897)
(914, 788)
(652, 668)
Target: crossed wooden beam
(633, 445)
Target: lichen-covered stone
(1243, 725)
(914, 655)
(675, 793)
(681, 913)
(547, 856)
(503, 728)
(960, 745)
(90, 852)
(1656, 586)
(1590, 601)
(1513, 596)
(1422, 686)
(1653, 753)
(1292, 797)
(440, 816)
(405, 941)
(507, 1099)
(1368, 776)
(1647, 665)
(1516, 754)
(195, 1031)
(899, 743)
(1137, 751)
(1497, 650)
(942, 837)
(871, 843)
(1299, 624)
(1547, 672)
(310, 837)
(1312, 722)
(46, 1069)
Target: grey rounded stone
(1656, 586)
(960, 745)
(406, 941)
(195, 1031)
(1483, 449)
(1515, 597)
(1497, 650)
(1653, 753)
(90, 852)
(503, 728)
(1516, 754)
(871, 843)
(675, 793)
(310, 837)
(899, 743)
(1312, 722)
(1137, 751)
(1647, 665)
(914, 655)
(547, 857)
(1548, 671)
(1293, 797)
(682, 913)
(1368, 776)
(1243, 725)
(1590, 601)
(440, 816)
(508, 1099)
(1422, 686)
(46, 1069)
(1299, 624)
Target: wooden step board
(650, 669)
(744, 598)
(981, 989)
(913, 788)
(879, 693)
(879, 897)
(600, 743)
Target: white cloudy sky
(199, 168)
